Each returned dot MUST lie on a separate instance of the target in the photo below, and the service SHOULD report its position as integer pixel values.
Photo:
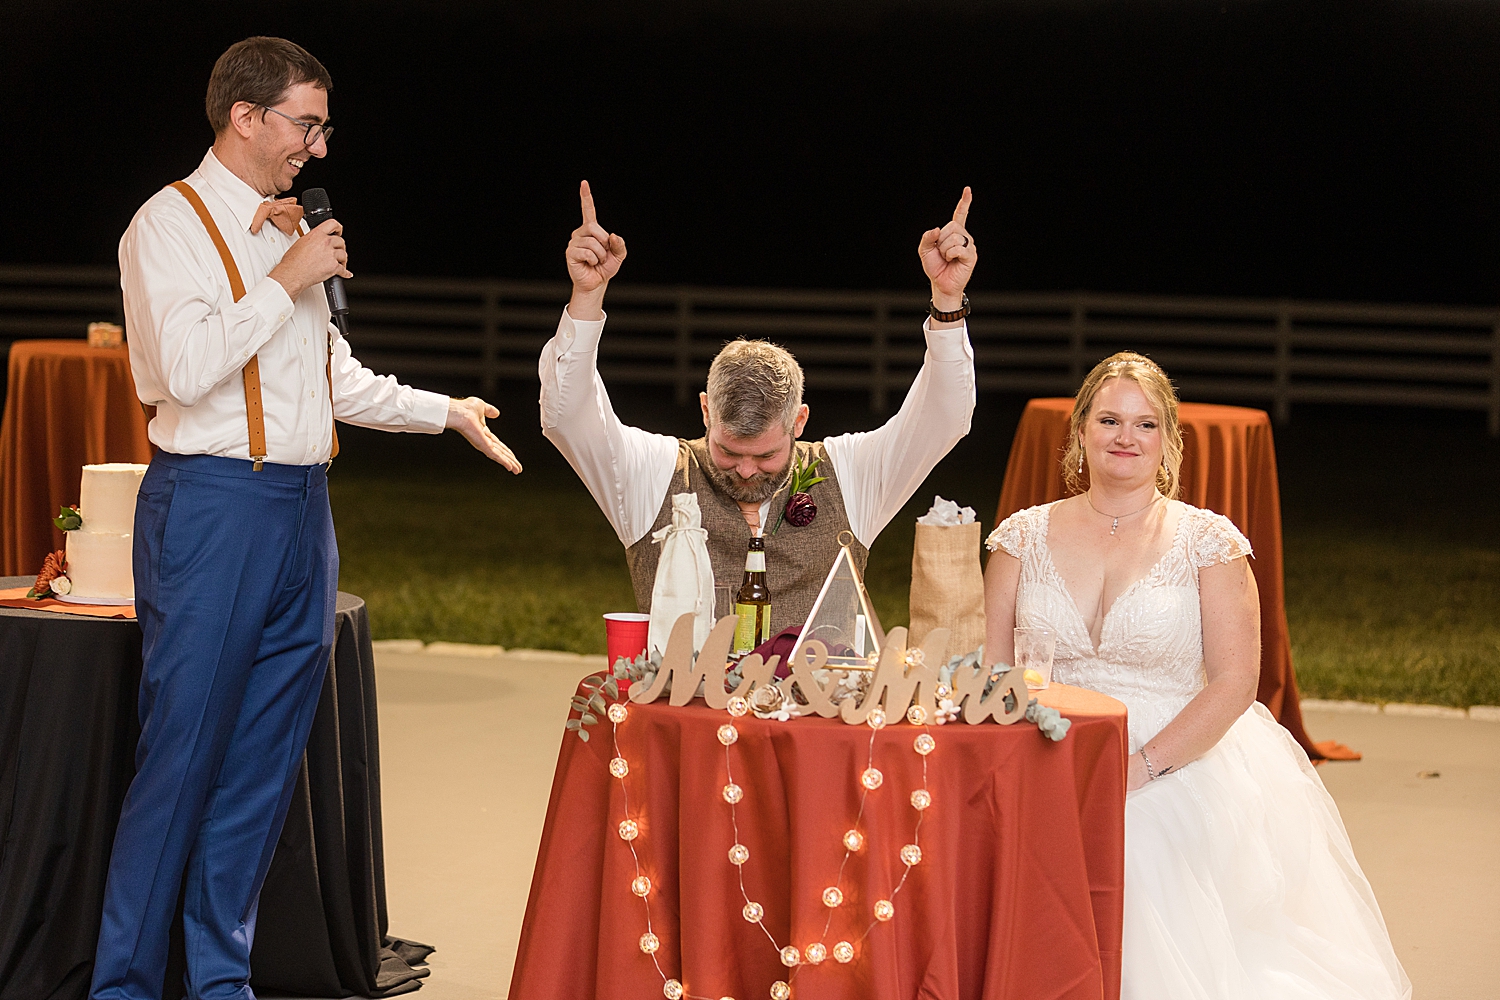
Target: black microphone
(317, 210)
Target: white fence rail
(1265, 352)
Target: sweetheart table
(1018, 891)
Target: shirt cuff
(578, 334)
(429, 412)
(948, 345)
(271, 302)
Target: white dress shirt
(629, 470)
(189, 339)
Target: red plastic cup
(625, 635)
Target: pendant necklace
(1116, 523)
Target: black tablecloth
(68, 731)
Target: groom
(753, 416)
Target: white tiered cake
(99, 565)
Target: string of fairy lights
(853, 840)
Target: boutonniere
(800, 509)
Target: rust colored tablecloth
(68, 405)
(1019, 892)
(1228, 466)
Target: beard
(757, 489)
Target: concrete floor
(468, 746)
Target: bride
(1240, 881)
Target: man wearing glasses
(235, 561)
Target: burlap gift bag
(947, 586)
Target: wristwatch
(948, 317)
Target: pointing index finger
(587, 198)
(961, 213)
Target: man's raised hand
(594, 256)
(948, 256)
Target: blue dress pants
(235, 577)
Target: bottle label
(755, 562)
(753, 628)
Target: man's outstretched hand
(467, 417)
(594, 256)
(948, 256)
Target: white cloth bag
(684, 576)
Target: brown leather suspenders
(254, 414)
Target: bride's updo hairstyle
(1158, 389)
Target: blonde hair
(1163, 398)
(753, 385)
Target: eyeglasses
(315, 130)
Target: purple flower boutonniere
(800, 508)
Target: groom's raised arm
(879, 470)
(625, 468)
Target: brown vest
(797, 559)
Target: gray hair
(753, 384)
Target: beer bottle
(753, 603)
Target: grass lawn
(1392, 569)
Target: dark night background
(1342, 150)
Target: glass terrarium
(843, 618)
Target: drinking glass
(1035, 648)
(723, 601)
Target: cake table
(68, 731)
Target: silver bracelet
(1150, 771)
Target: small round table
(1228, 466)
(67, 405)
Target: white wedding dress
(1240, 881)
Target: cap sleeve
(1015, 532)
(1216, 540)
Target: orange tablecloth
(68, 405)
(1019, 892)
(1228, 466)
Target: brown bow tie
(284, 214)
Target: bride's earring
(1080, 461)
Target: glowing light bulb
(924, 744)
(672, 990)
(629, 830)
(843, 952)
(832, 896)
(640, 885)
(884, 909)
(728, 734)
(619, 767)
(733, 793)
(739, 854)
(649, 943)
(916, 715)
(617, 713)
(780, 990)
(790, 956)
(854, 840)
(911, 854)
(872, 778)
(876, 719)
(816, 953)
(738, 706)
(753, 912)
(921, 799)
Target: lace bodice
(1150, 653)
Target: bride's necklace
(1087, 495)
